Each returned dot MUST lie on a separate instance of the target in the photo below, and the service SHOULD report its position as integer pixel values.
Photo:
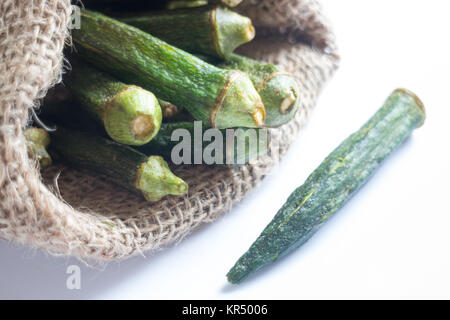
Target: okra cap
(415, 101)
(239, 104)
(280, 94)
(231, 30)
(155, 180)
(133, 116)
(37, 140)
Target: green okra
(37, 141)
(130, 114)
(222, 98)
(333, 183)
(128, 168)
(214, 31)
(239, 146)
(279, 90)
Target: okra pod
(238, 146)
(333, 183)
(214, 31)
(222, 98)
(130, 114)
(279, 90)
(148, 176)
(37, 141)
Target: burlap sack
(80, 214)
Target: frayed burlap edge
(109, 223)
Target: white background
(391, 241)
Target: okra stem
(130, 114)
(279, 90)
(148, 176)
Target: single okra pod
(223, 98)
(279, 90)
(130, 114)
(148, 176)
(214, 31)
(333, 183)
(37, 141)
(239, 145)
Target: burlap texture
(80, 214)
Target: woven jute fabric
(78, 213)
